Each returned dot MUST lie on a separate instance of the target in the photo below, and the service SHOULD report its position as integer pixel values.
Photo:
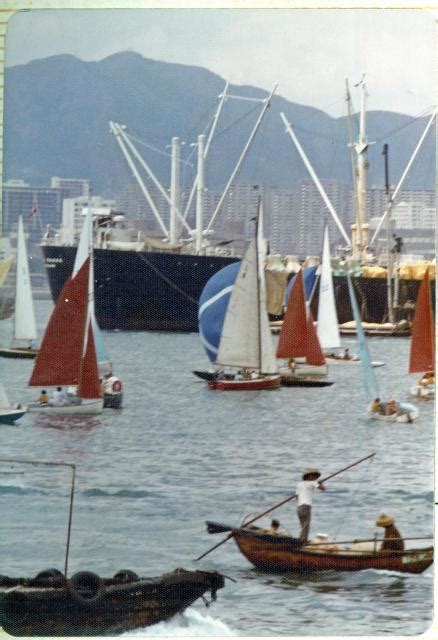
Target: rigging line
(390, 133)
(168, 281)
(242, 117)
(316, 134)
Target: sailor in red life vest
(305, 491)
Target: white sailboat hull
(422, 392)
(407, 412)
(83, 407)
(335, 360)
(303, 369)
(10, 415)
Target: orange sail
(292, 342)
(422, 354)
(89, 385)
(59, 358)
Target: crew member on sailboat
(305, 491)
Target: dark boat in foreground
(18, 352)
(87, 605)
(277, 553)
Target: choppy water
(177, 454)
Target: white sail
(328, 329)
(24, 318)
(4, 400)
(246, 339)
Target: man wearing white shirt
(305, 491)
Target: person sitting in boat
(305, 491)
(346, 355)
(44, 397)
(377, 406)
(427, 379)
(276, 530)
(391, 408)
(392, 540)
(292, 364)
(58, 397)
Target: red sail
(314, 354)
(422, 355)
(89, 385)
(59, 358)
(292, 342)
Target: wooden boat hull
(9, 416)
(409, 413)
(256, 384)
(283, 553)
(84, 407)
(87, 605)
(18, 352)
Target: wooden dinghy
(277, 553)
(87, 605)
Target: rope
(168, 281)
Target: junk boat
(86, 605)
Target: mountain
(57, 111)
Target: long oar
(279, 504)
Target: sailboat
(245, 340)
(328, 326)
(298, 340)
(8, 413)
(400, 411)
(111, 385)
(422, 352)
(24, 316)
(67, 355)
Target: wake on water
(189, 624)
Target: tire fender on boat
(86, 587)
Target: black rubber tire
(51, 577)
(86, 588)
(124, 576)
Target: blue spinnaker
(213, 304)
(309, 276)
(369, 378)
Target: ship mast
(360, 229)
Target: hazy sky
(308, 52)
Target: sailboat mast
(389, 265)
(257, 252)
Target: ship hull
(138, 291)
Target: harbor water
(177, 454)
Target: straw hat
(384, 521)
(310, 471)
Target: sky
(308, 52)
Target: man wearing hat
(305, 491)
(392, 540)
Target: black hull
(141, 291)
(112, 400)
(288, 381)
(109, 608)
(138, 291)
(18, 353)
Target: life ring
(116, 386)
(86, 587)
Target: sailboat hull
(83, 407)
(302, 381)
(406, 413)
(255, 384)
(422, 392)
(9, 416)
(18, 353)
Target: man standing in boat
(305, 491)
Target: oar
(279, 504)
